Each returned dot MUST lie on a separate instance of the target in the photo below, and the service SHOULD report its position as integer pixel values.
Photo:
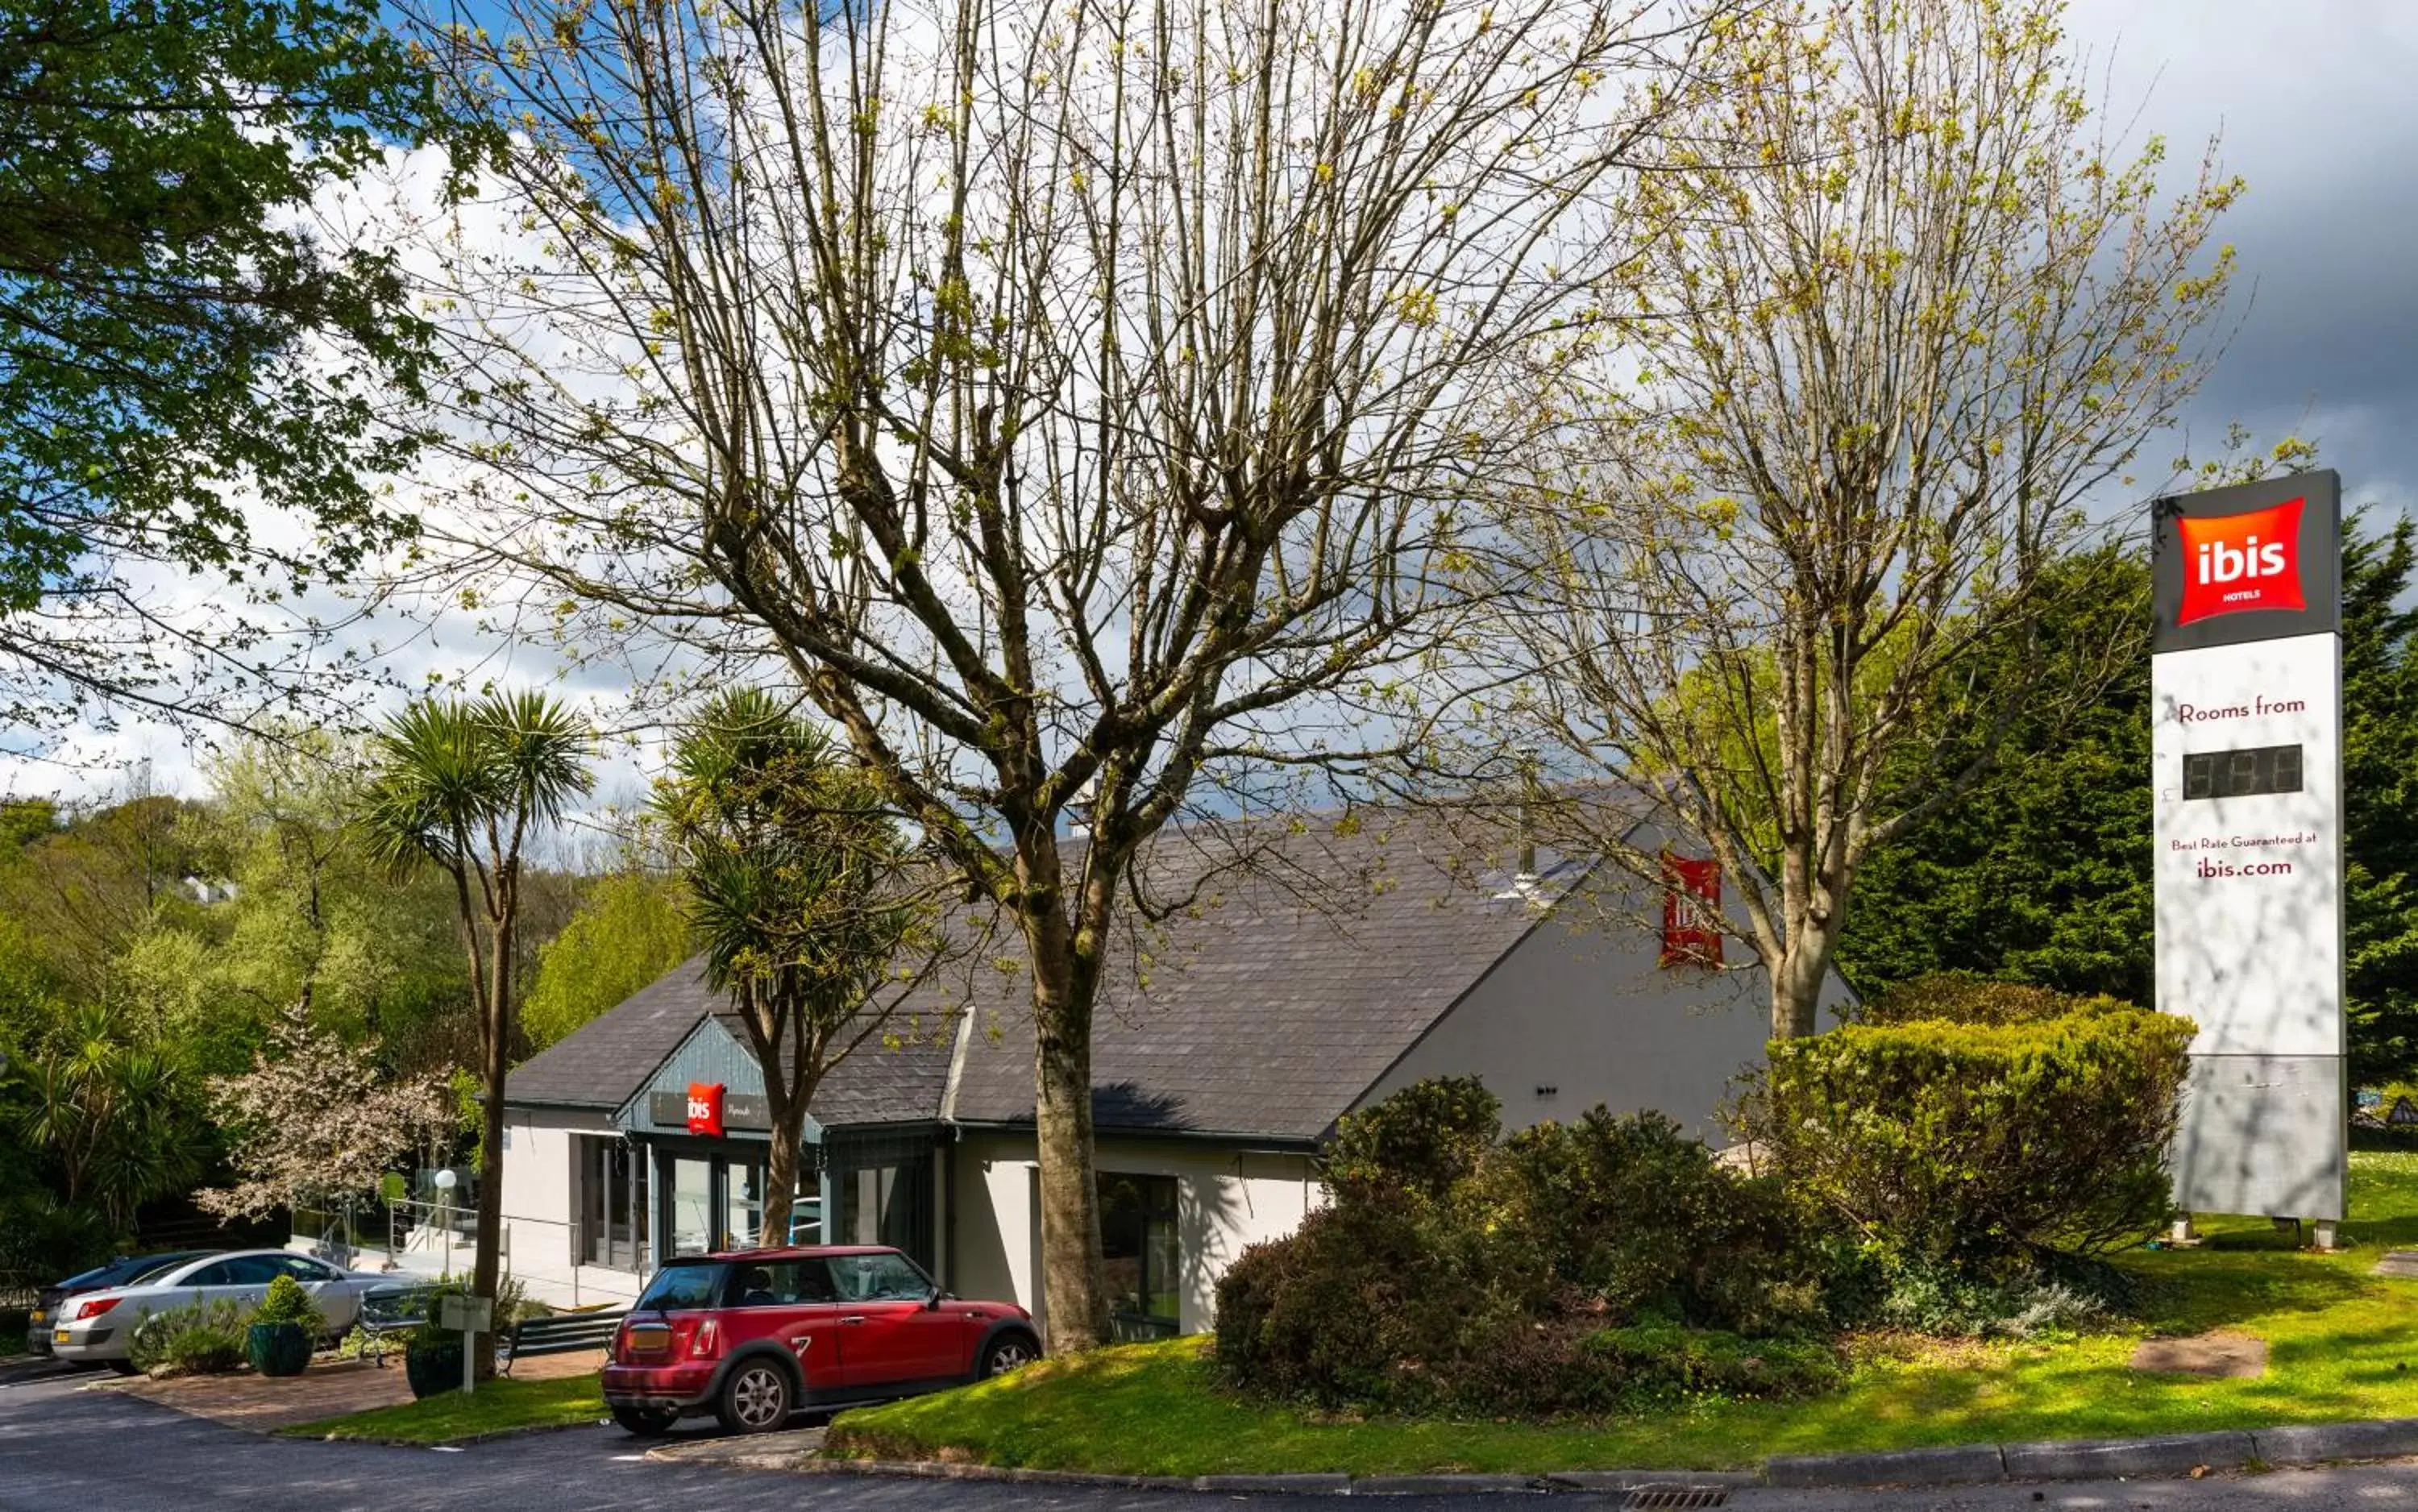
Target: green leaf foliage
(1979, 1147)
(173, 336)
(1422, 1141)
(628, 932)
(206, 1338)
(287, 1303)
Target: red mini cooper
(755, 1334)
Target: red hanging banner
(1692, 911)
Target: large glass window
(887, 1204)
(612, 1203)
(1143, 1257)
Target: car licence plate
(60, 1336)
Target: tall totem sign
(2245, 682)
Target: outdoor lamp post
(445, 1180)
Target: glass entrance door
(742, 1221)
(689, 1204)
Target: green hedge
(1978, 1147)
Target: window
(784, 1284)
(612, 1198)
(879, 1278)
(682, 1286)
(1143, 1256)
(242, 1270)
(304, 1269)
(1692, 911)
(883, 1188)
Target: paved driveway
(65, 1449)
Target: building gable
(708, 1057)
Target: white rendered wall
(1584, 1006)
(1226, 1201)
(542, 1149)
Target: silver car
(98, 1327)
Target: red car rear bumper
(689, 1383)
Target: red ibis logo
(2232, 562)
(705, 1108)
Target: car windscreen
(682, 1285)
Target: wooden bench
(560, 1333)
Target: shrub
(203, 1339)
(287, 1303)
(1634, 1216)
(1420, 1142)
(1957, 998)
(1452, 1273)
(1976, 1147)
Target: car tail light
(700, 1339)
(95, 1307)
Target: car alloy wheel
(757, 1400)
(1012, 1353)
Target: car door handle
(853, 1318)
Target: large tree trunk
(1074, 1289)
(1076, 1306)
(1797, 978)
(781, 1161)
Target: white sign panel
(2248, 751)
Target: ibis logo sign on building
(705, 1108)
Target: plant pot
(434, 1367)
(278, 1348)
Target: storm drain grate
(1673, 1498)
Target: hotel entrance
(714, 1199)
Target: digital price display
(2264, 768)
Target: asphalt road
(63, 1449)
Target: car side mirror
(932, 1299)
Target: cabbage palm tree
(797, 900)
(463, 785)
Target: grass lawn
(496, 1407)
(2341, 1345)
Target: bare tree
(1083, 404)
(1880, 371)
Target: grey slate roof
(1267, 1010)
(611, 1056)
(893, 1078)
(1307, 959)
(609, 1059)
